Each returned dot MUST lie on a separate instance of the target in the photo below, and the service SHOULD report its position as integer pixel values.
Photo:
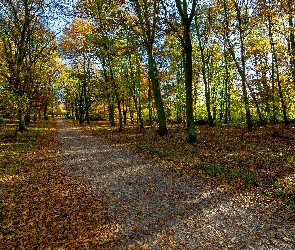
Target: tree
(26, 40)
(147, 12)
(76, 46)
(241, 13)
(201, 21)
(186, 19)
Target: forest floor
(81, 190)
(258, 164)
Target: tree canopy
(149, 61)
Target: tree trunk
(120, 115)
(241, 66)
(292, 38)
(148, 20)
(139, 108)
(150, 105)
(207, 88)
(261, 120)
(242, 69)
(153, 74)
(45, 112)
(28, 116)
(275, 67)
(274, 119)
(124, 113)
(188, 73)
(187, 19)
(86, 101)
(284, 108)
(21, 121)
(112, 114)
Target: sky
(60, 15)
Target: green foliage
(12, 148)
(231, 174)
(291, 160)
(96, 117)
(286, 191)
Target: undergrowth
(11, 148)
(230, 174)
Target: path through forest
(160, 209)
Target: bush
(96, 117)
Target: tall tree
(186, 19)
(241, 12)
(147, 12)
(76, 47)
(203, 41)
(26, 40)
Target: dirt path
(157, 209)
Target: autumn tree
(77, 48)
(202, 24)
(147, 13)
(25, 41)
(186, 19)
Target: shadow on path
(156, 209)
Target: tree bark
(148, 21)
(292, 38)
(157, 92)
(188, 66)
(207, 88)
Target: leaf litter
(44, 208)
(163, 202)
(86, 194)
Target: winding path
(157, 209)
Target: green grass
(286, 192)
(11, 148)
(291, 160)
(231, 174)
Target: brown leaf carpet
(150, 207)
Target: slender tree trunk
(81, 106)
(188, 72)
(86, 77)
(274, 119)
(241, 66)
(28, 116)
(292, 38)
(21, 121)
(263, 87)
(112, 114)
(86, 102)
(157, 92)
(186, 20)
(243, 70)
(226, 89)
(120, 116)
(131, 113)
(148, 21)
(135, 90)
(111, 107)
(73, 109)
(207, 88)
(275, 67)
(284, 108)
(124, 107)
(256, 104)
(150, 101)
(45, 111)
(139, 95)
